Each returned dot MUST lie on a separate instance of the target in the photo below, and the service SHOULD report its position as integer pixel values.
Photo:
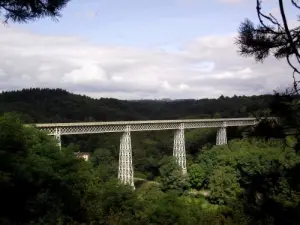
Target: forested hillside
(149, 148)
(252, 180)
(56, 105)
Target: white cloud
(88, 73)
(205, 67)
(165, 85)
(183, 87)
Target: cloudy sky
(132, 49)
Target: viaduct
(125, 173)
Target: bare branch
(291, 65)
(286, 27)
(261, 16)
(295, 4)
(275, 21)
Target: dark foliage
(28, 10)
(56, 105)
(271, 36)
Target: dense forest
(252, 180)
(56, 105)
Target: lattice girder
(120, 126)
(179, 148)
(125, 173)
(222, 135)
(57, 135)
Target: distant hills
(57, 105)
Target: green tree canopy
(172, 178)
(38, 182)
(259, 174)
(196, 176)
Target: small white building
(84, 155)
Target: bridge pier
(125, 174)
(179, 148)
(222, 135)
(57, 136)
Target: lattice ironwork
(57, 135)
(179, 148)
(222, 135)
(125, 174)
(120, 126)
(69, 130)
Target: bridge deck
(147, 125)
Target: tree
(102, 157)
(274, 36)
(37, 181)
(224, 185)
(29, 10)
(171, 176)
(196, 176)
(259, 176)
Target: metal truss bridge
(125, 174)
